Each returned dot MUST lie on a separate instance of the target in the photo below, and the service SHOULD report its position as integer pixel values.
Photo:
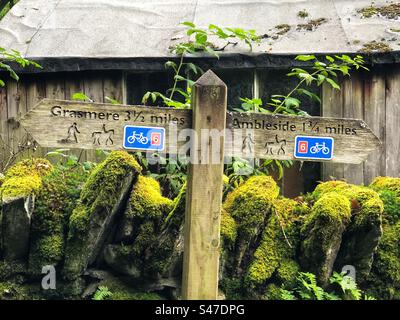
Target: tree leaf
(305, 57)
(333, 83)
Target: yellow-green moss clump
(228, 228)
(322, 231)
(365, 203)
(99, 195)
(145, 215)
(24, 178)
(277, 247)
(250, 203)
(384, 280)
(166, 249)
(386, 183)
(146, 200)
(54, 204)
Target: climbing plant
(199, 42)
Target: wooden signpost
(210, 133)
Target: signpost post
(213, 133)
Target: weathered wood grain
(393, 122)
(248, 134)
(375, 115)
(3, 115)
(35, 92)
(332, 106)
(353, 107)
(204, 192)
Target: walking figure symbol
(72, 131)
(247, 143)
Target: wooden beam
(204, 192)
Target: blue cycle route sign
(144, 138)
(313, 148)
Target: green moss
(54, 204)
(368, 12)
(386, 183)
(322, 231)
(384, 281)
(391, 206)
(47, 250)
(8, 269)
(272, 292)
(12, 291)
(375, 46)
(391, 11)
(175, 216)
(99, 190)
(312, 24)
(24, 178)
(163, 249)
(121, 291)
(228, 228)
(232, 287)
(250, 203)
(357, 195)
(282, 29)
(99, 193)
(277, 247)
(331, 208)
(146, 200)
(287, 272)
(302, 14)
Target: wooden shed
(118, 48)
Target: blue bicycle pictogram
(319, 148)
(138, 137)
(144, 138)
(313, 148)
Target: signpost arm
(204, 190)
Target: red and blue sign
(144, 138)
(313, 148)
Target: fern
(347, 284)
(308, 289)
(102, 293)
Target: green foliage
(79, 96)
(321, 72)
(7, 58)
(102, 293)
(199, 42)
(69, 161)
(171, 175)
(308, 289)
(111, 100)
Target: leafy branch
(13, 56)
(198, 43)
(321, 72)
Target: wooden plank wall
(375, 97)
(17, 98)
